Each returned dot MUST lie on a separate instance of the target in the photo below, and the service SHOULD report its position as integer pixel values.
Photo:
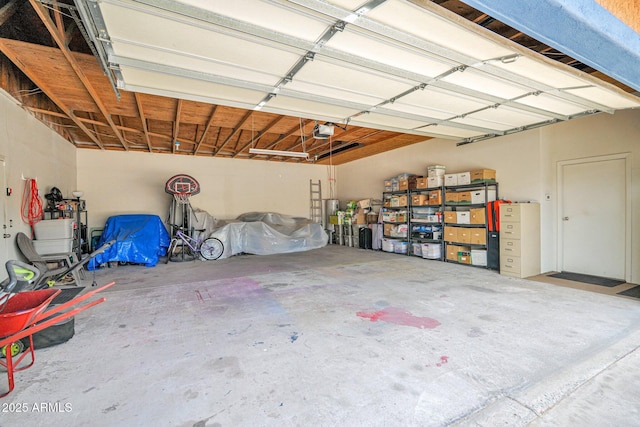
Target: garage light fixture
(279, 153)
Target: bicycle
(185, 248)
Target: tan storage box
(402, 201)
(419, 199)
(435, 197)
(450, 234)
(453, 250)
(478, 216)
(464, 257)
(422, 182)
(388, 228)
(464, 197)
(478, 236)
(451, 197)
(450, 217)
(483, 175)
(464, 235)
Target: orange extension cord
(31, 209)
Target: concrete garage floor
(336, 337)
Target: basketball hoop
(182, 186)
(181, 198)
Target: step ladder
(315, 210)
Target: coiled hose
(31, 210)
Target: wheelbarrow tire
(16, 348)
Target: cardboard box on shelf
(479, 257)
(419, 199)
(403, 201)
(435, 170)
(464, 257)
(372, 217)
(451, 179)
(359, 218)
(478, 196)
(422, 182)
(394, 202)
(450, 217)
(451, 197)
(478, 216)
(453, 250)
(464, 196)
(464, 235)
(450, 234)
(478, 236)
(387, 229)
(408, 183)
(464, 178)
(435, 197)
(463, 217)
(483, 175)
(435, 181)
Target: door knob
(566, 218)
(6, 236)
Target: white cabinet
(520, 239)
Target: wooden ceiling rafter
(42, 84)
(8, 10)
(62, 45)
(261, 133)
(206, 130)
(234, 131)
(143, 120)
(176, 126)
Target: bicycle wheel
(211, 248)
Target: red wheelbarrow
(24, 314)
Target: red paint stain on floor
(398, 316)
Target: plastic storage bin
(53, 246)
(54, 229)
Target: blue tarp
(140, 239)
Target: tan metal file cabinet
(520, 239)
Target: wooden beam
(46, 19)
(624, 10)
(47, 90)
(144, 121)
(260, 134)
(237, 129)
(176, 125)
(206, 130)
(8, 10)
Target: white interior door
(593, 217)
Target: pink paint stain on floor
(398, 316)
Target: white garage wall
(526, 165)
(31, 150)
(600, 135)
(129, 182)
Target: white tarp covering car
(264, 233)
